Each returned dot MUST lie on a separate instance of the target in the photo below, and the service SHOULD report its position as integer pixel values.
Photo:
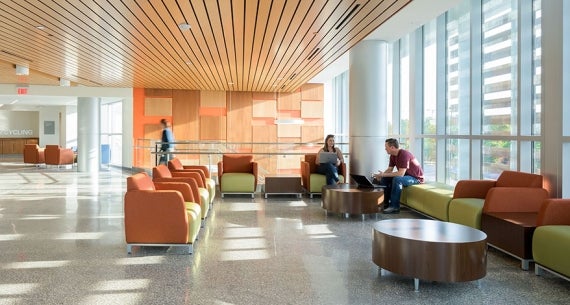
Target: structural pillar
(367, 106)
(88, 141)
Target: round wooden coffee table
(349, 199)
(430, 250)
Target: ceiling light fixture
(40, 27)
(184, 26)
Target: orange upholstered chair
(312, 181)
(506, 210)
(161, 173)
(175, 165)
(56, 155)
(33, 154)
(157, 213)
(237, 174)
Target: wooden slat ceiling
(239, 45)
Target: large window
(111, 133)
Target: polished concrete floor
(62, 242)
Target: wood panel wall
(237, 117)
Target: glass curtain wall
(481, 72)
(111, 133)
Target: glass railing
(272, 158)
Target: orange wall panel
(312, 92)
(239, 105)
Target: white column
(553, 115)
(88, 141)
(367, 106)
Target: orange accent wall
(235, 122)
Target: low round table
(349, 199)
(430, 250)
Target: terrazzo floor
(62, 242)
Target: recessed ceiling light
(184, 26)
(40, 27)
(230, 83)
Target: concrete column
(88, 141)
(367, 106)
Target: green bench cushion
(466, 211)
(237, 183)
(430, 198)
(551, 248)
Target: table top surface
(429, 230)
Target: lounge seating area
(510, 210)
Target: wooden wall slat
(185, 114)
(239, 117)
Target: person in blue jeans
(330, 170)
(408, 172)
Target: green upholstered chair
(312, 181)
(551, 239)
(237, 174)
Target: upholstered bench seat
(466, 211)
(551, 248)
(431, 199)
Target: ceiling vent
(350, 13)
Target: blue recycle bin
(105, 154)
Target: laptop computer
(327, 157)
(364, 182)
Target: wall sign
(49, 127)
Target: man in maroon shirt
(409, 172)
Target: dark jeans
(330, 171)
(394, 186)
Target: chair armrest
(182, 187)
(190, 181)
(254, 169)
(220, 171)
(204, 169)
(343, 171)
(197, 175)
(473, 188)
(305, 173)
(514, 199)
(155, 216)
(554, 212)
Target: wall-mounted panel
(310, 109)
(289, 101)
(158, 106)
(288, 131)
(239, 118)
(264, 108)
(185, 115)
(213, 99)
(312, 92)
(213, 128)
(264, 95)
(312, 134)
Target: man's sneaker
(391, 211)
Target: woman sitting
(329, 169)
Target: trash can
(105, 154)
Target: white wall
(57, 115)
